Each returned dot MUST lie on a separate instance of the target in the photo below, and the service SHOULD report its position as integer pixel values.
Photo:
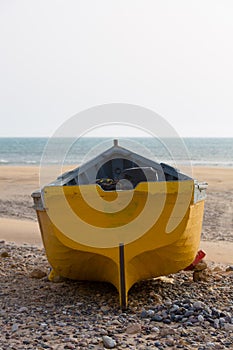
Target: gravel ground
(172, 312)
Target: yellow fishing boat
(120, 218)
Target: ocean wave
(4, 161)
(31, 162)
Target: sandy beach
(36, 314)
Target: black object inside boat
(133, 176)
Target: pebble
(14, 327)
(38, 274)
(105, 308)
(4, 254)
(155, 329)
(202, 265)
(229, 268)
(166, 331)
(144, 314)
(198, 305)
(23, 309)
(150, 313)
(108, 342)
(37, 314)
(157, 318)
(200, 318)
(228, 327)
(133, 328)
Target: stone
(198, 305)
(166, 331)
(169, 342)
(105, 308)
(5, 254)
(200, 266)
(23, 309)
(174, 308)
(133, 328)
(150, 313)
(155, 329)
(200, 318)
(229, 268)
(156, 298)
(14, 327)
(216, 323)
(210, 344)
(199, 276)
(144, 314)
(157, 318)
(38, 274)
(108, 342)
(228, 327)
(43, 324)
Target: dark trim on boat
(122, 276)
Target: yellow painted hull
(155, 252)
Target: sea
(217, 152)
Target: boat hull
(110, 246)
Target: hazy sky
(61, 57)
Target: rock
(229, 268)
(144, 314)
(157, 318)
(109, 343)
(14, 327)
(105, 308)
(228, 327)
(200, 266)
(43, 324)
(116, 323)
(150, 313)
(23, 309)
(222, 321)
(58, 279)
(210, 344)
(166, 331)
(199, 276)
(4, 254)
(156, 297)
(133, 328)
(155, 329)
(198, 305)
(216, 312)
(174, 308)
(167, 321)
(216, 324)
(168, 302)
(189, 313)
(37, 273)
(200, 318)
(103, 332)
(169, 342)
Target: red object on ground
(200, 255)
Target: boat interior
(114, 171)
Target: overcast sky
(61, 57)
